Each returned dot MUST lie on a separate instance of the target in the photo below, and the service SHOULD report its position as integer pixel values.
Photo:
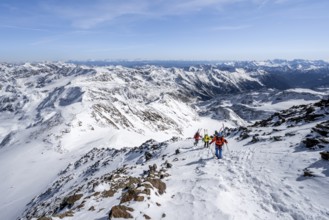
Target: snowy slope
(262, 176)
(53, 113)
(52, 100)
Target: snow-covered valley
(53, 114)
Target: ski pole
(227, 148)
(211, 150)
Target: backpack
(206, 138)
(219, 141)
(197, 135)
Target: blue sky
(36, 30)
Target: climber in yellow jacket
(206, 140)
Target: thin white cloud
(23, 28)
(185, 6)
(8, 7)
(231, 28)
(90, 15)
(280, 1)
(120, 48)
(58, 37)
(99, 12)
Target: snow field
(261, 181)
(253, 181)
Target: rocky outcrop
(120, 211)
(296, 115)
(85, 182)
(292, 117)
(69, 201)
(318, 137)
(325, 155)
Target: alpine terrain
(112, 140)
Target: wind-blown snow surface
(27, 168)
(260, 176)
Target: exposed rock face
(120, 211)
(325, 155)
(168, 165)
(132, 194)
(44, 218)
(308, 173)
(69, 201)
(6, 140)
(87, 182)
(157, 183)
(311, 142)
(318, 137)
(148, 156)
(292, 117)
(297, 114)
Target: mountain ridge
(53, 113)
(142, 181)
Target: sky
(40, 30)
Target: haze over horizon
(163, 30)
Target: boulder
(325, 155)
(132, 194)
(44, 218)
(169, 165)
(244, 135)
(146, 216)
(69, 201)
(310, 142)
(153, 168)
(157, 183)
(120, 211)
(148, 156)
(308, 172)
(276, 138)
(108, 193)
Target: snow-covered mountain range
(147, 98)
(54, 113)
